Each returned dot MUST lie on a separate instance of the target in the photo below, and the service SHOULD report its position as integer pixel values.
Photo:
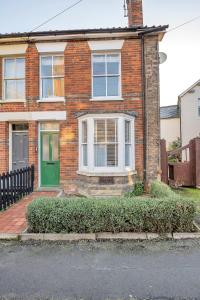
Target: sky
(182, 46)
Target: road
(96, 271)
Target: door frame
(10, 142)
(39, 147)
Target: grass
(191, 193)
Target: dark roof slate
(169, 112)
(141, 29)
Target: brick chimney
(135, 13)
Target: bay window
(14, 78)
(106, 143)
(52, 77)
(106, 75)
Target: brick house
(82, 105)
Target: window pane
(84, 132)
(99, 86)
(49, 126)
(46, 68)
(47, 88)
(111, 131)
(127, 155)
(127, 132)
(20, 89)
(199, 106)
(113, 86)
(55, 147)
(45, 147)
(99, 67)
(58, 87)
(10, 89)
(58, 65)
(85, 160)
(20, 68)
(100, 155)
(9, 68)
(113, 64)
(100, 131)
(112, 155)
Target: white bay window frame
(120, 169)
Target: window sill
(13, 101)
(103, 174)
(107, 99)
(51, 100)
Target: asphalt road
(131, 270)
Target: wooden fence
(14, 185)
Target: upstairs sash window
(106, 75)
(14, 78)
(52, 77)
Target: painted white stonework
(170, 129)
(34, 116)
(13, 49)
(190, 119)
(51, 47)
(106, 45)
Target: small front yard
(162, 211)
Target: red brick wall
(4, 142)
(78, 95)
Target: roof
(139, 29)
(189, 89)
(169, 112)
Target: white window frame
(53, 99)
(4, 79)
(107, 98)
(121, 169)
(198, 107)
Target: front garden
(161, 211)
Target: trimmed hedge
(110, 215)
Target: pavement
(100, 270)
(13, 220)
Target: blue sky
(182, 46)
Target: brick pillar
(4, 147)
(33, 148)
(152, 108)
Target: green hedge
(159, 189)
(110, 215)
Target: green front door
(50, 161)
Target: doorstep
(101, 236)
(50, 189)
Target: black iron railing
(14, 185)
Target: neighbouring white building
(189, 104)
(170, 123)
(182, 120)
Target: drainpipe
(144, 109)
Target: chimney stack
(135, 13)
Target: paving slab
(13, 220)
